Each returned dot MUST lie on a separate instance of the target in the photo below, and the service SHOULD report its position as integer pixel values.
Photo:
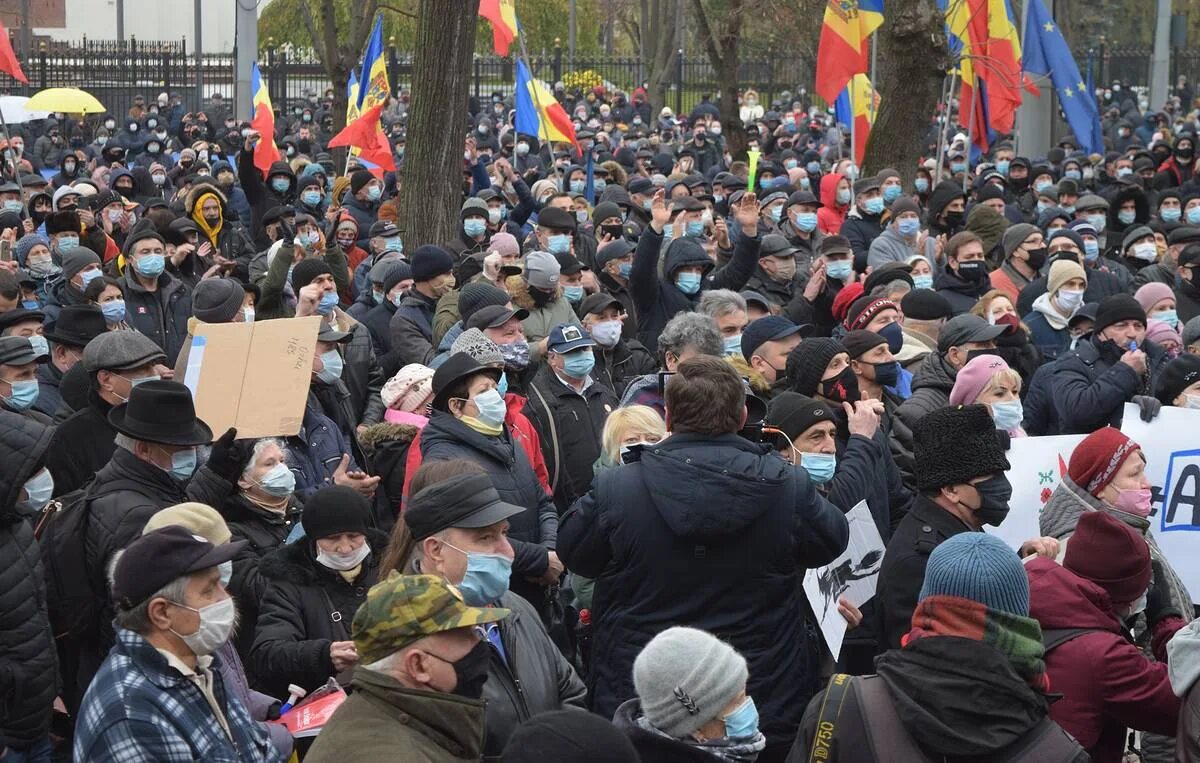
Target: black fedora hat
(457, 367)
(76, 325)
(161, 412)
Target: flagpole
(944, 134)
(853, 130)
(871, 107)
(970, 130)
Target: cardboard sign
(253, 376)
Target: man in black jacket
(26, 639)
(454, 522)
(619, 360)
(960, 466)
(568, 407)
(710, 531)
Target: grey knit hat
(685, 677)
(217, 300)
(979, 567)
(476, 344)
(76, 260)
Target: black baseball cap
(598, 303)
(464, 500)
(494, 316)
(155, 559)
(769, 328)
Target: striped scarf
(1019, 638)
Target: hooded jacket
(714, 533)
(261, 197)
(831, 215)
(306, 607)
(861, 229)
(1049, 329)
(236, 196)
(959, 700)
(1106, 682)
(658, 299)
(232, 242)
(28, 664)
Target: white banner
(1038, 464)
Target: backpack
(890, 741)
(72, 601)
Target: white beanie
(685, 677)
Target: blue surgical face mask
(398, 297)
(805, 183)
(40, 489)
(923, 282)
(1193, 215)
(486, 579)
(838, 269)
(40, 345)
(791, 164)
(573, 293)
(377, 295)
(559, 243)
(1099, 221)
(1170, 214)
(873, 205)
(67, 243)
(908, 226)
(921, 185)
(31, 304)
(579, 363)
(668, 232)
(1002, 166)
(1124, 172)
(1073, 175)
(694, 228)
(688, 283)
(393, 244)
(599, 184)
(278, 481)
(114, 311)
(328, 301)
(1169, 317)
(577, 186)
(1126, 216)
(743, 722)
(332, 371)
(281, 185)
(891, 193)
(374, 192)
(311, 198)
(625, 269)
(733, 344)
(820, 466)
(502, 385)
(1043, 186)
(1068, 208)
(843, 196)
(12, 205)
(150, 265)
(775, 213)
(492, 408)
(1091, 249)
(647, 204)
(183, 464)
(1008, 415)
(24, 394)
(806, 221)
(958, 167)
(474, 226)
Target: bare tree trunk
(721, 38)
(432, 188)
(660, 48)
(913, 61)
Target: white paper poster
(852, 576)
(1037, 465)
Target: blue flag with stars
(1045, 52)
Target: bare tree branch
(310, 24)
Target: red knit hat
(841, 303)
(1098, 458)
(1111, 554)
(864, 309)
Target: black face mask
(887, 374)
(471, 671)
(973, 270)
(842, 388)
(212, 220)
(994, 496)
(1037, 257)
(954, 219)
(972, 354)
(1184, 153)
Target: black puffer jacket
(306, 607)
(713, 533)
(531, 532)
(569, 425)
(1091, 385)
(621, 364)
(385, 447)
(931, 386)
(28, 666)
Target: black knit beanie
(306, 270)
(806, 364)
(335, 509)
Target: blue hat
(566, 337)
(768, 329)
(979, 567)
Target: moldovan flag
(843, 49)
(538, 112)
(504, 23)
(8, 59)
(364, 134)
(265, 151)
(855, 107)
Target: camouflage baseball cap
(406, 608)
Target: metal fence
(1131, 65)
(117, 71)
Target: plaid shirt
(138, 708)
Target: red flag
(8, 59)
(366, 135)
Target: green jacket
(273, 303)
(383, 720)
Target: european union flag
(1046, 53)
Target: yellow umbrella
(68, 100)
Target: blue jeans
(40, 751)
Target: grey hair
(125, 442)
(690, 330)
(718, 302)
(892, 287)
(389, 665)
(412, 565)
(138, 618)
(259, 446)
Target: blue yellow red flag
(373, 78)
(538, 112)
(265, 151)
(842, 52)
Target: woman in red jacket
(1107, 684)
(835, 199)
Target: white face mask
(216, 623)
(344, 562)
(1192, 401)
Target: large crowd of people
(558, 479)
